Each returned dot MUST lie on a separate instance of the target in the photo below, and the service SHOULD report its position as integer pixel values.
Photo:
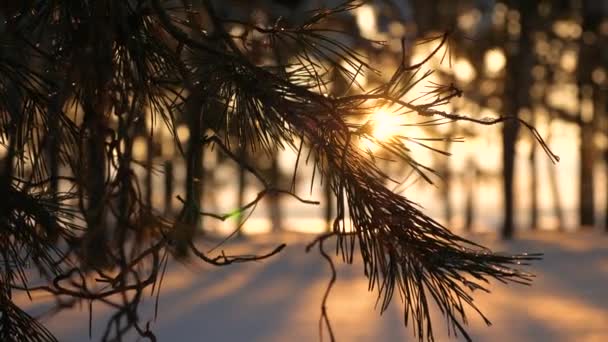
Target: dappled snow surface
(279, 299)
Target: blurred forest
(108, 167)
(543, 61)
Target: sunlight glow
(567, 29)
(366, 21)
(494, 61)
(464, 71)
(599, 75)
(569, 60)
(469, 20)
(386, 125)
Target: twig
(324, 319)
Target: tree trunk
(329, 205)
(558, 210)
(190, 215)
(519, 63)
(241, 191)
(606, 180)
(275, 199)
(445, 189)
(148, 179)
(557, 203)
(509, 137)
(52, 152)
(586, 198)
(125, 178)
(533, 188)
(470, 195)
(587, 60)
(604, 105)
(95, 181)
(168, 196)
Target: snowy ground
(279, 299)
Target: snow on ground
(279, 299)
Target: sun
(384, 126)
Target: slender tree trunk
(52, 152)
(148, 178)
(201, 186)
(586, 198)
(96, 238)
(190, 215)
(241, 190)
(558, 210)
(606, 180)
(589, 55)
(445, 189)
(469, 209)
(168, 196)
(97, 104)
(519, 63)
(533, 188)
(557, 203)
(604, 105)
(329, 205)
(275, 199)
(124, 176)
(509, 137)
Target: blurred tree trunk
(329, 205)
(52, 153)
(149, 167)
(242, 154)
(557, 203)
(587, 60)
(586, 179)
(533, 187)
(434, 15)
(517, 82)
(509, 133)
(469, 208)
(558, 210)
(603, 104)
(168, 195)
(125, 177)
(190, 215)
(606, 179)
(445, 189)
(55, 131)
(95, 180)
(274, 198)
(97, 107)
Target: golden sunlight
(464, 70)
(494, 61)
(385, 125)
(366, 21)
